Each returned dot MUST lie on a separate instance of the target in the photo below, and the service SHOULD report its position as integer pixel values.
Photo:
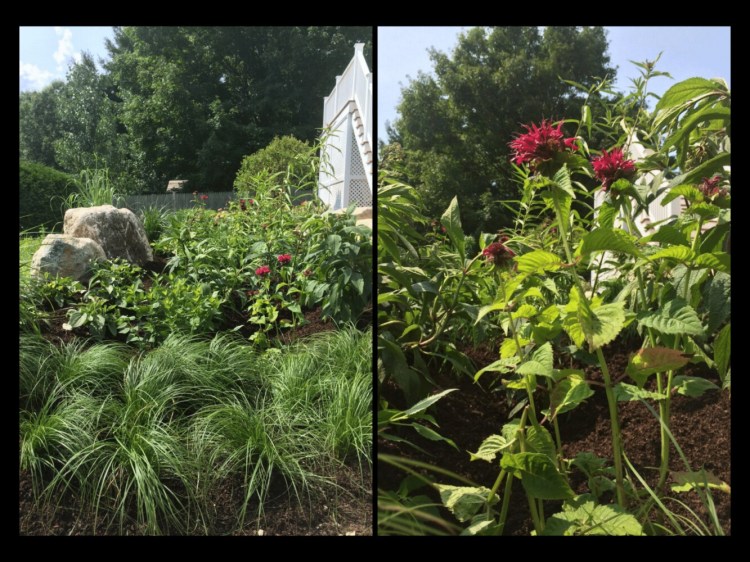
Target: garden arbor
(346, 159)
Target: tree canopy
(186, 102)
(454, 125)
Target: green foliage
(156, 435)
(38, 189)
(285, 159)
(455, 123)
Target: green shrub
(282, 155)
(41, 191)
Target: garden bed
(701, 426)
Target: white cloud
(65, 49)
(33, 77)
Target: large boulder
(66, 256)
(118, 231)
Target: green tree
(198, 99)
(39, 124)
(454, 126)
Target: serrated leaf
(683, 94)
(692, 386)
(509, 349)
(562, 180)
(605, 239)
(653, 360)
(540, 362)
(606, 215)
(538, 475)
(715, 260)
(506, 365)
(722, 350)
(601, 325)
(524, 311)
(490, 447)
(689, 192)
(627, 393)
(539, 440)
(481, 524)
(485, 310)
(451, 220)
(569, 393)
(675, 317)
(464, 501)
(588, 519)
(668, 234)
(717, 297)
(538, 261)
(432, 435)
(679, 253)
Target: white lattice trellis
(347, 177)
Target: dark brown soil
(701, 426)
(345, 508)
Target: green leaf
(588, 518)
(653, 360)
(524, 311)
(674, 317)
(692, 386)
(722, 349)
(427, 402)
(682, 94)
(569, 393)
(451, 220)
(540, 362)
(605, 239)
(708, 113)
(333, 241)
(490, 447)
(717, 297)
(464, 501)
(606, 215)
(586, 118)
(538, 475)
(715, 260)
(432, 435)
(704, 170)
(538, 261)
(689, 192)
(485, 310)
(686, 481)
(482, 524)
(601, 325)
(505, 365)
(668, 234)
(539, 440)
(562, 180)
(679, 253)
(627, 393)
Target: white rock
(66, 256)
(118, 231)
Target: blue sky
(687, 52)
(46, 52)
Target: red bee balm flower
(710, 188)
(540, 143)
(610, 167)
(498, 253)
(284, 258)
(263, 270)
(204, 197)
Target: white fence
(346, 173)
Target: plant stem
(522, 443)
(611, 401)
(506, 503)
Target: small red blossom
(263, 270)
(204, 197)
(710, 188)
(284, 258)
(498, 253)
(612, 166)
(251, 201)
(252, 293)
(242, 205)
(540, 143)
(307, 272)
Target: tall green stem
(611, 401)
